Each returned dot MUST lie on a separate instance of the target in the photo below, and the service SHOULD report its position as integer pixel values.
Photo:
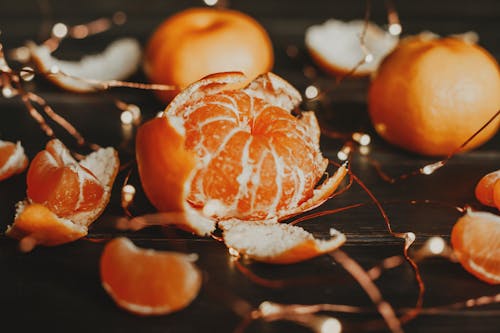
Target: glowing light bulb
(436, 245)
(429, 169)
(80, 31)
(364, 150)
(159, 114)
(233, 252)
(344, 153)
(8, 92)
(126, 117)
(267, 308)
(54, 69)
(331, 325)
(135, 111)
(369, 58)
(311, 92)
(59, 30)
(210, 2)
(21, 54)
(361, 138)
(410, 237)
(395, 29)
(128, 193)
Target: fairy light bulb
(8, 92)
(54, 69)
(311, 92)
(80, 31)
(395, 29)
(436, 245)
(429, 169)
(210, 2)
(159, 114)
(126, 117)
(344, 152)
(59, 30)
(135, 111)
(330, 325)
(21, 54)
(361, 138)
(267, 308)
(128, 194)
(368, 58)
(364, 150)
(233, 252)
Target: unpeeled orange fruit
(488, 189)
(431, 94)
(12, 159)
(476, 242)
(233, 152)
(148, 282)
(64, 196)
(201, 41)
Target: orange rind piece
(148, 282)
(276, 243)
(475, 240)
(117, 62)
(488, 190)
(64, 195)
(13, 160)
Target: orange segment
(148, 282)
(475, 240)
(38, 222)
(12, 159)
(57, 181)
(488, 189)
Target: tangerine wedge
(475, 240)
(148, 282)
(12, 159)
(64, 195)
(488, 189)
(227, 151)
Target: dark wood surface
(58, 289)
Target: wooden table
(58, 289)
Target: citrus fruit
(488, 189)
(431, 94)
(346, 53)
(148, 282)
(64, 195)
(234, 153)
(275, 243)
(201, 41)
(475, 240)
(12, 159)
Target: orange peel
(276, 243)
(148, 282)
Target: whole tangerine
(431, 94)
(201, 41)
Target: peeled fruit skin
(200, 41)
(430, 95)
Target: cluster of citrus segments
(12, 159)
(476, 243)
(64, 196)
(224, 151)
(148, 282)
(488, 189)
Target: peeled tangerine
(12, 159)
(223, 152)
(64, 196)
(148, 282)
(475, 240)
